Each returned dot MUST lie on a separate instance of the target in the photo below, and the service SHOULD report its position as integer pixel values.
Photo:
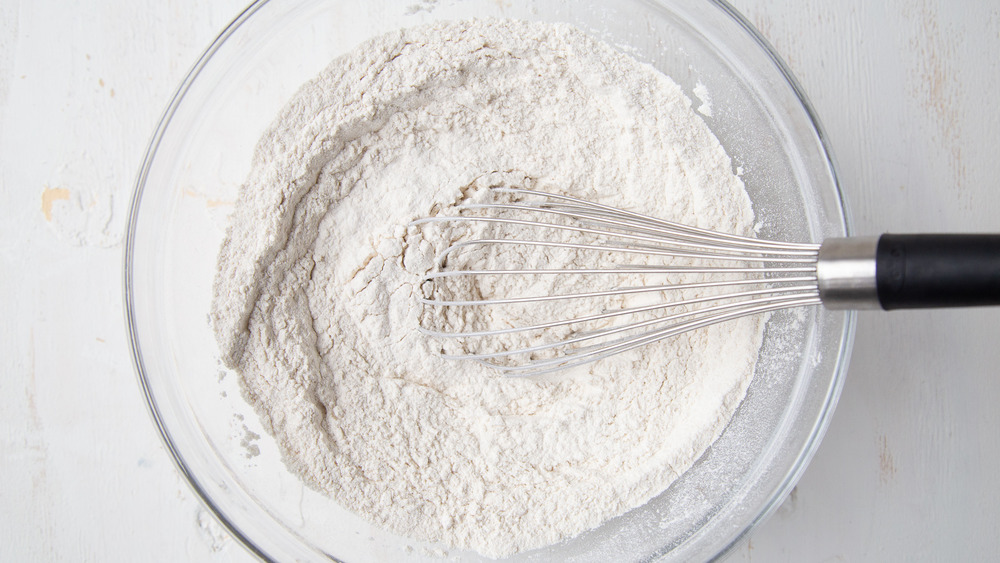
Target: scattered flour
(701, 92)
(315, 298)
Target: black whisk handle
(937, 270)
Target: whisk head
(536, 282)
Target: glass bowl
(200, 153)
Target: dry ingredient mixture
(315, 301)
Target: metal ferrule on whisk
(845, 271)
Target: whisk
(733, 276)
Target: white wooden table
(908, 91)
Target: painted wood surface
(907, 91)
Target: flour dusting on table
(315, 301)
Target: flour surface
(315, 300)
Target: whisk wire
(586, 355)
(617, 291)
(654, 231)
(797, 257)
(679, 227)
(784, 293)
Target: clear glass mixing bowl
(200, 154)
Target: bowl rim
(825, 415)
(128, 298)
(792, 475)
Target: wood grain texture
(906, 90)
(84, 476)
(907, 469)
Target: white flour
(315, 299)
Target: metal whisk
(709, 277)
